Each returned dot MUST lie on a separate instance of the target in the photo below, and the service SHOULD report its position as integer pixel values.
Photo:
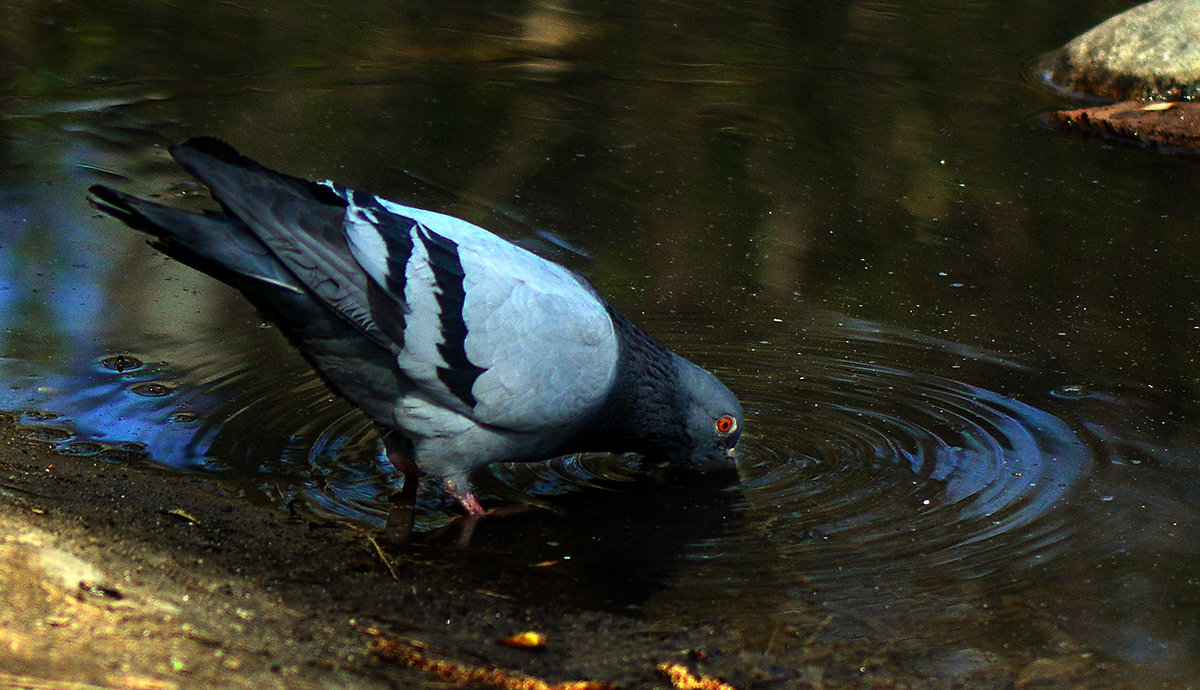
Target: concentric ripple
(913, 471)
(870, 469)
(903, 480)
(849, 444)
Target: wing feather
(299, 221)
(507, 337)
(477, 324)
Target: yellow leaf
(525, 640)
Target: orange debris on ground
(410, 654)
(529, 640)
(683, 679)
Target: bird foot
(465, 498)
(466, 524)
(398, 526)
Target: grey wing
(479, 325)
(498, 333)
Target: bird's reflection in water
(605, 545)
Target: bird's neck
(639, 414)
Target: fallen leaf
(525, 640)
(684, 679)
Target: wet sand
(123, 575)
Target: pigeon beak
(721, 469)
(723, 462)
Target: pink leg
(470, 504)
(465, 498)
(398, 528)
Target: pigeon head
(665, 408)
(712, 419)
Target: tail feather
(219, 245)
(227, 250)
(300, 222)
(225, 247)
(223, 170)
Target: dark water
(967, 347)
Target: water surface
(967, 347)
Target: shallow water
(967, 347)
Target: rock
(1167, 126)
(1150, 52)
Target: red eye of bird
(726, 424)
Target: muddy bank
(121, 576)
(1168, 127)
(118, 575)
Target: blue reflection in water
(55, 310)
(112, 412)
(990, 452)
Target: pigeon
(462, 347)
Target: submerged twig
(11, 487)
(383, 557)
